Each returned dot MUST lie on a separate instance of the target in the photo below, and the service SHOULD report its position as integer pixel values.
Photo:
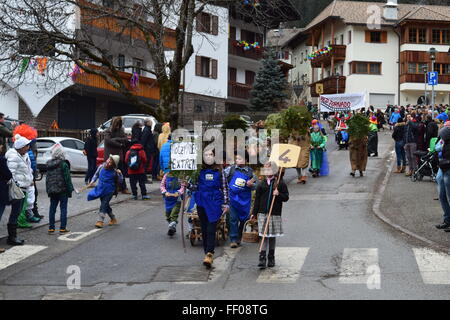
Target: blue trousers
(443, 180)
(236, 225)
(54, 201)
(208, 231)
(400, 152)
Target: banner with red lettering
(342, 102)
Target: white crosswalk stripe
(434, 266)
(76, 236)
(358, 265)
(288, 263)
(17, 254)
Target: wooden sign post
(285, 156)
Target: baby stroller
(342, 139)
(428, 166)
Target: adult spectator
(5, 133)
(432, 129)
(16, 205)
(136, 131)
(443, 178)
(411, 142)
(421, 130)
(394, 117)
(399, 137)
(90, 151)
(148, 144)
(116, 143)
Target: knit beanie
(20, 142)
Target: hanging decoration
(76, 71)
(319, 52)
(251, 3)
(24, 65)
(134, 81)
(247, 46)
(41, 65)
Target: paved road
(334, 248)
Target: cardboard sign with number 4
(285, 155)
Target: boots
(403, 168)
(22, 221)
(409, 173)
(12, 236)
(30, 217)
(262, 260)
(304, 179)
(271, 259)
(207, 262)
(399, 169)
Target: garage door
(381, 100)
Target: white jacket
(20, 167)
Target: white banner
(183, 156)
(342, 102)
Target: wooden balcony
(421, 78)
(239, 90)
(329, 86)
(147, 88)
(255, 54)
(338, 52)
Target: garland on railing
(134, 81)
(253, 3)
(247, 46)
(319, 52)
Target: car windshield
(129, 122)
(43, 144)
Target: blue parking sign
(433, 78)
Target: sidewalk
(411, 206)
(77, 204)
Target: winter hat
(58, 152)
(444, 133)
(20, 142)
(115, 159)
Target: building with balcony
(347, 49)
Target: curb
(376, 208)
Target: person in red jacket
(136, 160)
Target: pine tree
(269, 88)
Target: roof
(280, 37)
(355, 12)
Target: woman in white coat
(20, 166)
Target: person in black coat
(90, 151)
(5, 176)
(432, 130)
(136, 131)
(147, 142)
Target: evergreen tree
(270, 84)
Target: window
(232, 74)
(208, 23)
(249, 77)
(43, 144)
(35, 43)
(413, 35)
(446, 36)
(342, 39)
(138, 63)
(440, 36)
(341, 68)
(121, 62)
(375, 37)
(436, 36)
(416, 68)
(422, 35)
(365, 67)
(69, 144)
(349, 37)
(301, 61)
(79, 144)
(205, 67)
(418, 35)
(442, 68)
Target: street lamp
(337, 83)
(425, 70)
(432, 52)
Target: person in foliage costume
(318, 143)
(358, 132)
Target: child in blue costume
(109, 177)
(241, 182)
(212, 201)
(172, 191)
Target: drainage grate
(181, 274)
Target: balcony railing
(147, 87)
(421, 78)
(239, 90)
(338, 52)
(330, 86)
(253, 53)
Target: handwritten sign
(183, 156)
(285, 155)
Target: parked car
(128, 121)
(73, 149)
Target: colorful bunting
(319, 52)
(24, 65)
(134, 81)
(248, 46)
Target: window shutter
(215, 25)
(233, 73)
(214, 68)
(198, 65)
(367, 36)
(384, 37)
(232, 33)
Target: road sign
(433, 78)
(285, 155)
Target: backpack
(134, 160)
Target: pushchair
(428, 166)
(342, 139)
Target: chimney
(391, 10)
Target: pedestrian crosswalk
(355, 265)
